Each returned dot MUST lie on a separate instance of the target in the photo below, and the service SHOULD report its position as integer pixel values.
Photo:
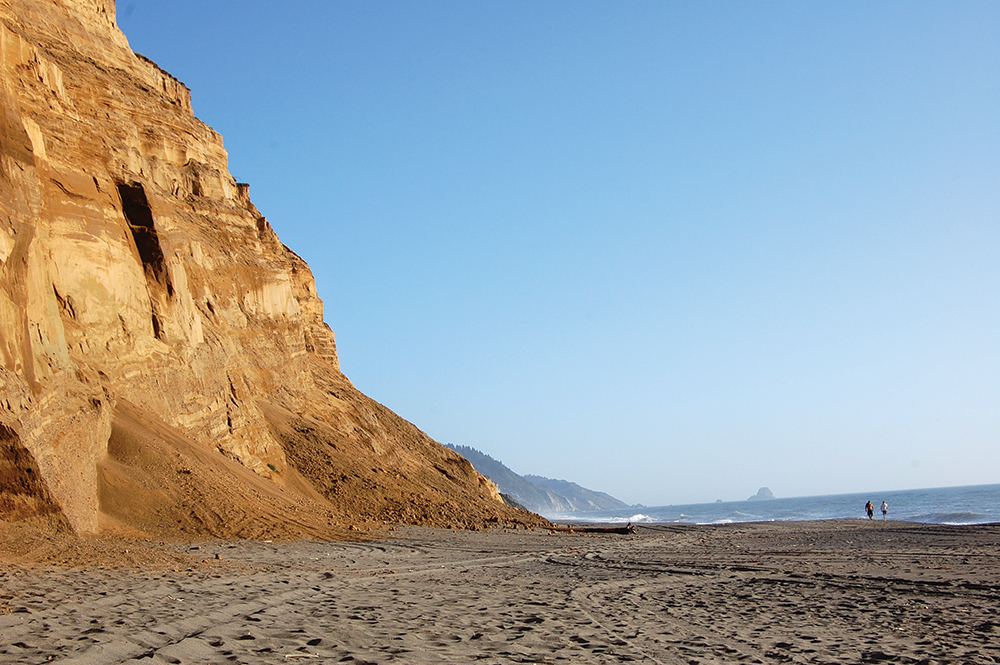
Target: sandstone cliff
(165, 368)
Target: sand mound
(157, 483)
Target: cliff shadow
(138, 214)
(24, 496)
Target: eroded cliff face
(142, 292)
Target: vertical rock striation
(144, 300)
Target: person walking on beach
(885, 509)
(870, 509)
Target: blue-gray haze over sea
(975, 504)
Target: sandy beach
(800, 592)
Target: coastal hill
(541, 495)
(165, 367)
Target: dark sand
(801, 592)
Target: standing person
(885, 509)
(870, 509)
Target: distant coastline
(972, 504)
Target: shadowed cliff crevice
(24, 497)
(137, 212)
(139, 216)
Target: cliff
(165, 368)
(542, 495)
(577, 499)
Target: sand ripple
(823, 592)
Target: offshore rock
(165, 368)
(762, 494)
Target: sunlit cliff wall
(135, 268)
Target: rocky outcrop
(762, 495)
(135, 268)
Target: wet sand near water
(789, 592)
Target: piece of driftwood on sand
(628, 529)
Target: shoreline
(956, 505)
(563, 520)
(823, 591)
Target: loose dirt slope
(154, 481)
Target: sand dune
(820, 592)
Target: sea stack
(762, 494)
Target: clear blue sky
(672, 251)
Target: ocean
(976, 504)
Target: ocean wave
(738, 516)
(957, 518)
(585, 518)
(603, 519)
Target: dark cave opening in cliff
(139, 216)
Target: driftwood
(623, 530)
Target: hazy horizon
(879, 493)
(751, 493)
(671, 251)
